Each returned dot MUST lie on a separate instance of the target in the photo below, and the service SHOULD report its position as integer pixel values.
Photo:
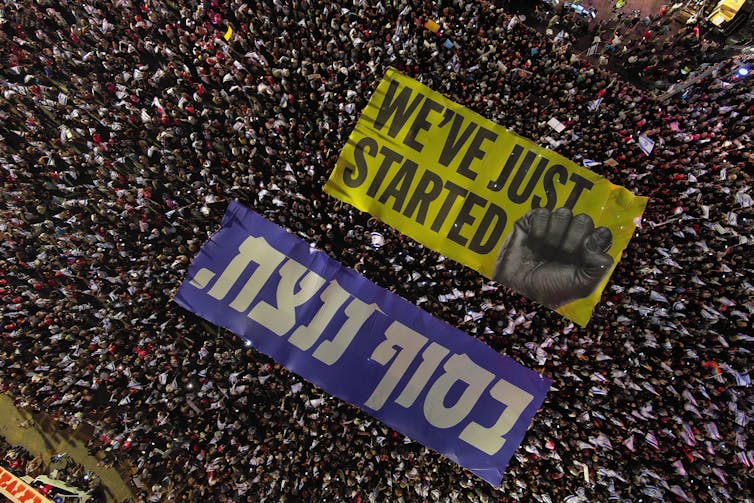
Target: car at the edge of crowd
(58, 490)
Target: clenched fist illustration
(554, 257)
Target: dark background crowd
(128, 125)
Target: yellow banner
(432, 26)
(485, 197)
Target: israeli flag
(646, 144)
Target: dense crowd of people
(128, 125)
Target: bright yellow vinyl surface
(457, 182)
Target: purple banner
(362, 343)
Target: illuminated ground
(41, 437)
